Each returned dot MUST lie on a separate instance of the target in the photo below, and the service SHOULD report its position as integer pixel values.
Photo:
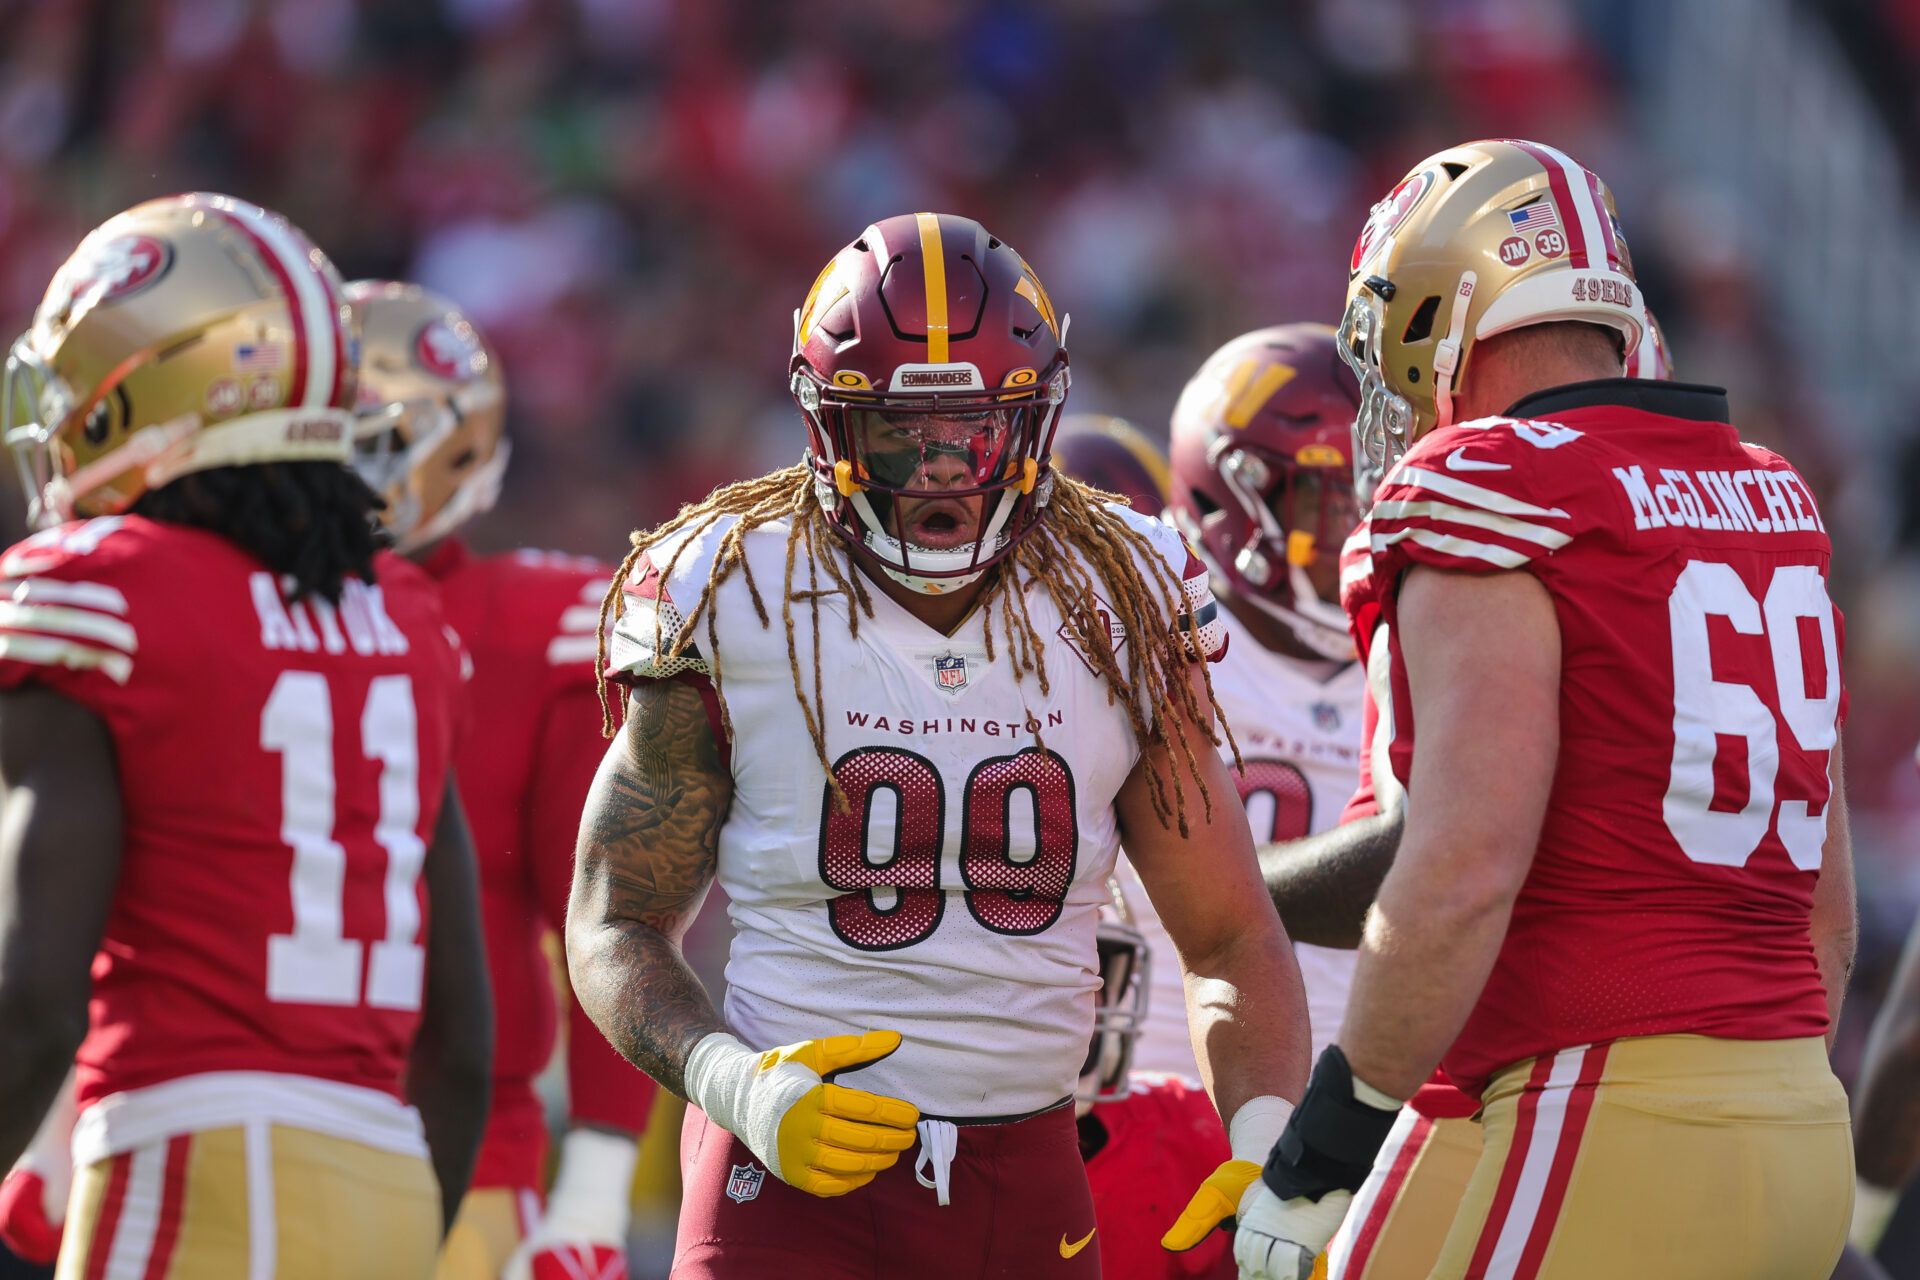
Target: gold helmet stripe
(1150, 458)
(1253, 397)
(935, 265)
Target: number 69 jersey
(955, 898)
(280, 769)
(1700, 697)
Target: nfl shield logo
(743, 1184)
(1326, 717)
(951, 671)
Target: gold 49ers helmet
(190, 332)
(430, 430)
(1476, 240)
(929, 364)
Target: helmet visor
(928, 474)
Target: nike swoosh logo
(1068, 1250)
(1457, 461)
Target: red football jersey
(530, 621)
(1700, 696)
(281, 768)
(1163, 1139)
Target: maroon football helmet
(1111, 453)
(1262, 455)
(930, 366)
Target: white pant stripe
(263, 1227)
(1542, 1145)
(139, 1213)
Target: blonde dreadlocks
(1075, 531)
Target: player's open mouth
(940, 525)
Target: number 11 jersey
(1700, 697)
(280, 767)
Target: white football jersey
(955, 899)
(1299, 740)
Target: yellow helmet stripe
(1251, 398)
(935, 266)
(1148, 457)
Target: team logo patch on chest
(950, 671)
(743, 1184)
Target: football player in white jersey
(905, 701)
(1263, 488)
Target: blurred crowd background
(631, 197)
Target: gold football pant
(257, 1202)
(490, 1225)
(1402, 1214)
(1682, 1157)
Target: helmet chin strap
(1446, 356)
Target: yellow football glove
(1217, 1200)
(811, 1133)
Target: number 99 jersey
(281, 769)
(955, 898)
(1700, 697)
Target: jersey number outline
(1282, 782)
(1007, 896)
(1706, 709)
(317, 963)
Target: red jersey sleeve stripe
(1467, 551)
(85, 595)
(1409, 482)
(46, 651)
(1393, 514)
(76, 624)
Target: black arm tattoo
(649, 847)
(1322, 885)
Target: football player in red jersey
(914, 786)
(432, 413)
(1112, 454)
(1612, 925)
(226, 732)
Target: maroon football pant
(1018, 1207)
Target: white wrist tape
(724, 1080)
(1256, 1127)
(592, 1189)
(1375, 1098)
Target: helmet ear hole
(1420, 325)
(100, 419)
(95, 430)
